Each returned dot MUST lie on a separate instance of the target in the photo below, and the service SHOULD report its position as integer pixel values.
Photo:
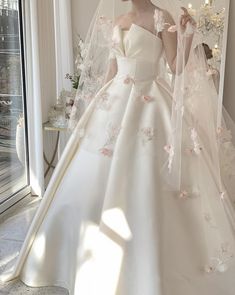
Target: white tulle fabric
(107, 225)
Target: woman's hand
(186, 19)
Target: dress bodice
(137, 52)
(137, 42)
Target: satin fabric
(106, 224)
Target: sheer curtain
(33, 89)
(64, 52)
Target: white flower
(196, 146)
(171, 151)
(147, 134)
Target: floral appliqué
(186, 195)
(105, 26)
(112, 134)
(147, 134)
(220, 262)
(146, 98)
(128, 80)
(171, 152)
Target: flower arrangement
(60, 113)
(79, 53)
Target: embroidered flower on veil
(195, 139)
(171, 151)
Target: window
(13, 120)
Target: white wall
(47, 55)
(82, 12)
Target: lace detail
(224, 135)
(227, 151)
(103, 102)
(105, 26)
(159, 21)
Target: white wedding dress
(107, 225)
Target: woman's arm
(169, 40)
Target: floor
(13, 228)
(12, 177)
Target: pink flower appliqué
(129, 80)
(184, 195)
(147, 98)
(112, 134)
(106, 152)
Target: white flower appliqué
(220, 262)
(147, 134)
(171, 151)
(196, 146)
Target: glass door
(13, 120)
